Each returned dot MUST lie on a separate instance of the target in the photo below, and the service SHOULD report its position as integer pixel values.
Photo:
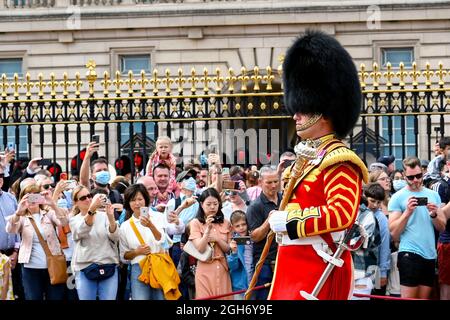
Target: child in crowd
(163, 154)
(6, 288)
(240, 261)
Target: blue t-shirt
(418, 236)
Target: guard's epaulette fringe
(344, 154)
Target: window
(11, 66)
(137, 128)
(410, 143)
(397, 55)
(135, 63)
(23, 140)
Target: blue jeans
(91, 289)
(265, 276)
(36, 285)
(140, 290)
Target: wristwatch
(91, 213)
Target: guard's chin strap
(311, 121)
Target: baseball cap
(186, 174)
(386, 160)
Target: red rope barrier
(360, 295)
(233, 293)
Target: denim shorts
(415, 270)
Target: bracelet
(91, 213)
(433, 217)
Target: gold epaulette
(344, 154)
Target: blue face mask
(399, 184)
(102, 177)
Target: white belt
(319, 245)
(285, 241)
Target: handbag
(56, 264)
(99, 272)
(190, 249)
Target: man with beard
(414, 213)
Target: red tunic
(325, 200)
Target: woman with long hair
(96, 255)
(42, 209)
(210, 229)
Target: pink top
(24, 227)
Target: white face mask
(399, 184)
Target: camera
(216, 219)
(230, 185)
(242, 240)
(287, 163)
(422, 201)
(96, 138)
(44, 162)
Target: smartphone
(242, 240)
(230, 185)
(287, 163)
(71, 184)
(226, 171)
(11, 146)
(44, 162)
(96, 138)
(144, 212)
(36, 198)
(63, 176)
(422, 201)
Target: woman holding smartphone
(138, 223)
(210, 229)
(39, 207)
(96, 234)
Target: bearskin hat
(122, 165)
(320, 77)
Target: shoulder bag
(56, 264)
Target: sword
(344, 245)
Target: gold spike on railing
(389, 75)
(414, 74)
(167, 81)
(41, 84)
(269, 77)
(106, 83)
(91, 75)
(16, 85)
(218, 80)
(143, 81)
(193, 80)
(363, 75)
(243, 78)
(52, 84)
(155, 81)
(231, 79)
(256, 78)
(180, 81)
(117, 82)
(280, 74)
(4, 85)
(65, 84)
(205, 80)
(375, 75)
(428, 74)
(402, 74)
(28, 85)
(441, 74)
(77, 84)
(130, 82)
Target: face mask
(102, 177)
(62, 203)
(399, 184)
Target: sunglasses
(417, 176)
(88, 196)
(47, 186)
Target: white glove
(277, 221)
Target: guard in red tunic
(322, 92)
